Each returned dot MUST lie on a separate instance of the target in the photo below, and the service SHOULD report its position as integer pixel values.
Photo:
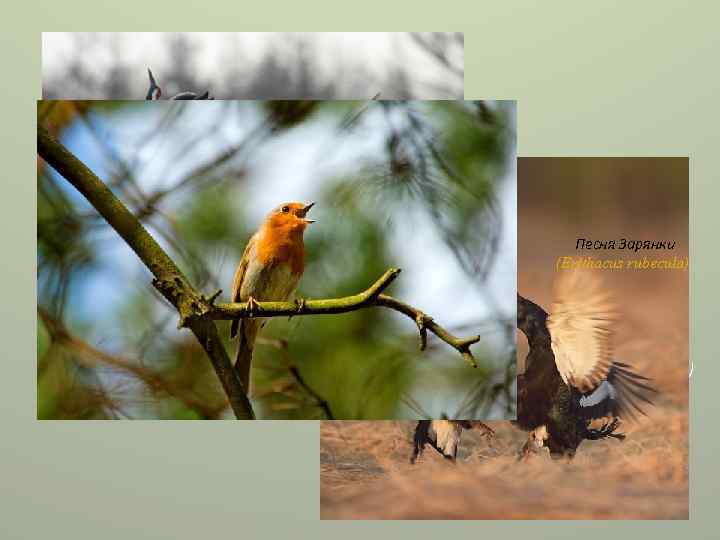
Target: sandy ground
(365, 472)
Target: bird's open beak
(306, 210)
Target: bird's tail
(248, 331)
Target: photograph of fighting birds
(572, 389)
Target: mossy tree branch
(169, 280)
(371, 297)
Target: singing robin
(269, 270)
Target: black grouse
(571, 378)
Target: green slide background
(611, 78)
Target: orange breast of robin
(282, 245)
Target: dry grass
(365, 473)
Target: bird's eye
(285, 209)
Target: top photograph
(253, 65)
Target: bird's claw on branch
(252, 306)
(299, 307)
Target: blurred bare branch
(442, 46)
(154, 381)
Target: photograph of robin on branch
(270, 268)
(393, 307)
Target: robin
(270, 269)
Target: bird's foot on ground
(534, 444)
(607, 430)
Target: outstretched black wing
(622, 394)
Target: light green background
(612, 78)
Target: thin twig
(322, 403)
